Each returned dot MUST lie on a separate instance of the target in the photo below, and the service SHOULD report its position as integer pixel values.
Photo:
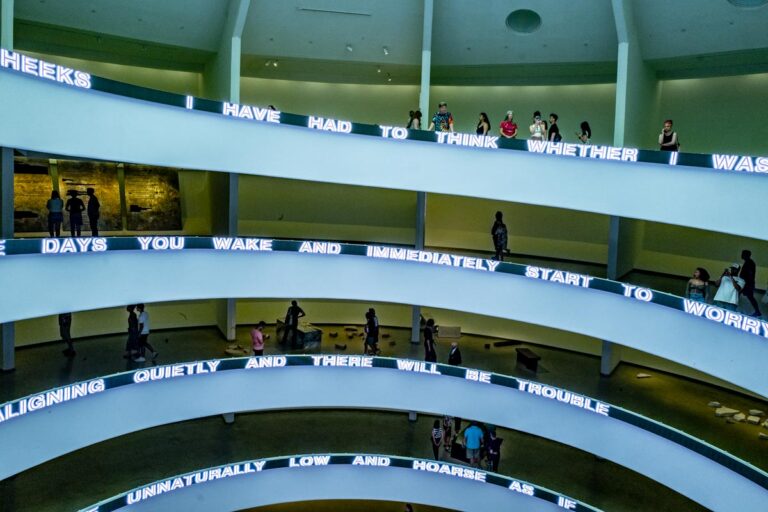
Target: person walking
(371, 333)
(499, 236)
(257, 339)
(292, 323)
(144, 335)
(454, 356)
(437, 439)
(494, 450)
(65, 324)
(94, 207)
(55, 206)
(473, 441)
(132, 345)
(430, 354)
(75, 207)
(748, 274)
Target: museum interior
(538, 228)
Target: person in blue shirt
(473, 441)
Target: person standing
(454, 356)
(292, 323)
(430, 354)
(538, 129)
(447, 433)
(473, 441)
(668, 138)
(585, 134)
(483, 124)
(144, 335)
(442, 121)
(75, 207)
(131, 346)
(94, 207)
(698, 286)
(499, 236)
(508, 127)
(494, 450)
(257, 339)
(553, 135)
(748, 274)
(414, 120)
(55, 206)
(437, 439)
(730, 285)
(65, 325)
(371, 333)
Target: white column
(6, 24)
(421, 197)
(7, 332)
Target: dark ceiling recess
(524, 21)
(748, 3)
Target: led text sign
(40, 68)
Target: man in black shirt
(292, 323)
(748, 273)
(554, 131)
(454, 356)
(75, 207)
(65, 324)
(93, 211)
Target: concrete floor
(123, 463)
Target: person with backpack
(499, 236)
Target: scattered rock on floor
(487, 346)
(722, 412)
(762, 436)
(392, 343)
(350, 328)
(714, 404)
(753, 420)
(643, 376)
(765, 424)
(333, 334)
(756, 412)
(729, 419)
(740, 417)
(386, 335)
(340, 347)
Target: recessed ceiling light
(524, 21)
(268, 63)
(274, 64)
(349, 48)
(386, 50)
(378, 69)
(748, 4)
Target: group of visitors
(75, 206)
(735, 282)
(138, 335)
(479, 442)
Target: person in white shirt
(730, 286)
(144, 335)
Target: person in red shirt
(257, 339)
(508, 128)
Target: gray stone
(730, 420)
(756, 412)
(762, 436)
(753, 420)
(722, 412)
(714, 404)
(643, 376)
(740, 417)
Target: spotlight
(349, 48)
(386, 50)
(378, 69)
(268, 63)
(274, 64)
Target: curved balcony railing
(103, 119)
(46, 425)
(220, 267)
(262, 482)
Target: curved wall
(194, 390)
(263, 482)
(110, 127)
(160, 276)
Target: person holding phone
(538, 129)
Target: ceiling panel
(194, 24)
(676, 28)
(475, 33)
(322, 29)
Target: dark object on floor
(386, 335)
(361, 335)
(351, 335)
(349, 328)
(392, 343)
(340, 347)
(487, 346)
(506, 343)
(333, 334)
(459, 452)
(528, 358)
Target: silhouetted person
(132, 345)
(499, 236)
(292, 323)
(437, 439)
(75, 207)
(65, 324)
(93, 211)
(454, 356)
(494, 450)
(143, 340)
(748, 274)
(430, 354)
(55, 206)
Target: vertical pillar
(7, 330)
(123, 198)
(6, 24)
(421, 197)
(224, 210)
